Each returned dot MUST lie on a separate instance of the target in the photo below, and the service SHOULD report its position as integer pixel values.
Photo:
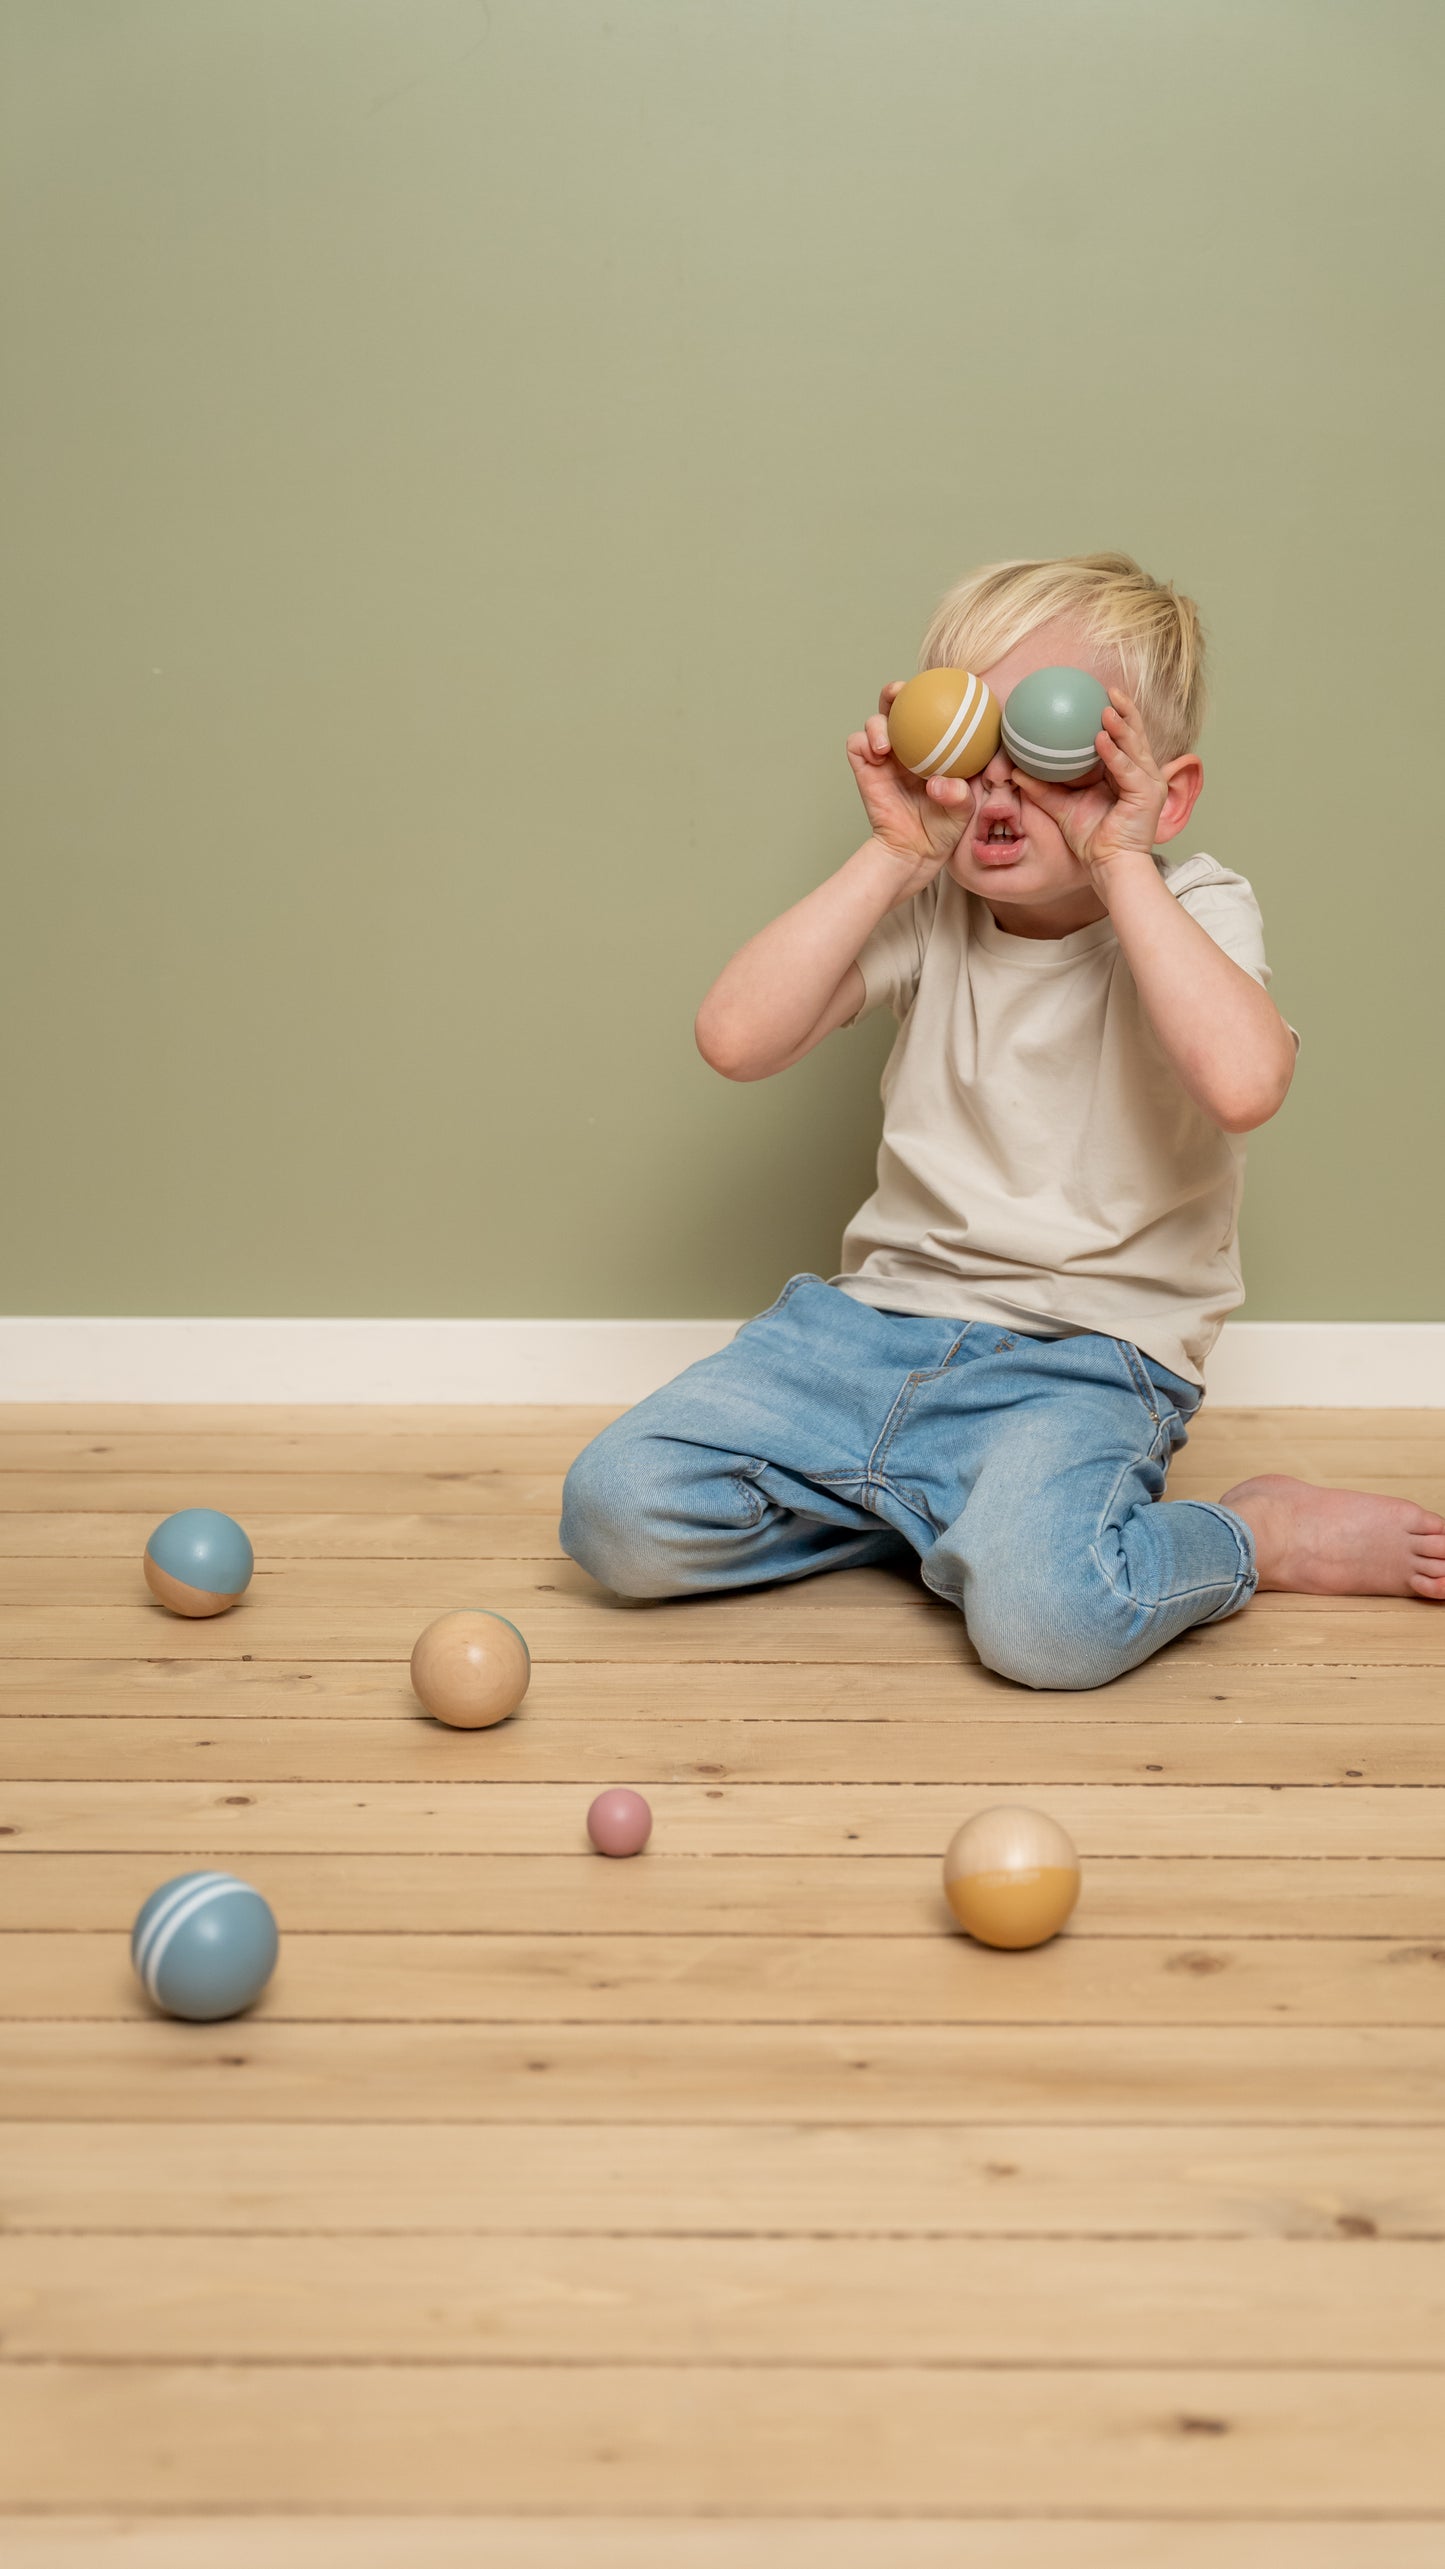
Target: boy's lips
(997, 851)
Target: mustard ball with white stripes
(204, 1946)
(945, 722)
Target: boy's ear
(1185, 779)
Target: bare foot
(1340, 1543)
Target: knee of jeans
(614, 1524)
(1058, 1634)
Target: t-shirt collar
(1038, 954)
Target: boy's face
(1031, 867)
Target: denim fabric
(1022, 1471)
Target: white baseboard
(1365, 1364)
(348, 1360)
(1329, 1364)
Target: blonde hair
(1153, 632)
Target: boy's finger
(1130, 724)
(894, 688)
(878, 735)
(1050, 796)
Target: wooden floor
(724, 2206)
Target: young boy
(1000, 1372)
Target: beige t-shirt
(1041, 1164)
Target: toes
(1428, 1585)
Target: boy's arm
(798, 978)
(1220, 1028)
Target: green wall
(469, 463)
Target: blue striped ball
(204, 1946)
(1050, 722)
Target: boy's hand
(919, 820)
(1119, 814)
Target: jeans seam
(804, 1276)
(1247, 1581)
(1149, 1605)
(750, 1492)
(1138, 1379)
(903, 1403)
(915, 1505)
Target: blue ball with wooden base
(199, 1562)
(204, 1946)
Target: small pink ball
(619, 1822)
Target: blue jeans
(1024, 1472)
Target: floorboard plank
(1132, 2180)
(540, 1748)
(417, 1418)
(743, 1895)
(729, 2441)
(484, 1447)
(676, 2542)
(1165, 1691)
(450, 2299)
(105, 1537)
(709, 1819)
(444, 1494)
(802, 1623)
(140, 2070)
(930, 1979)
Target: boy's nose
(999, 770)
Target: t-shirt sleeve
(891, 959)
(1226, 909)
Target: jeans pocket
(1174, 1395)
(1156, 1388)
(1156, 1402)
(1174, 1400)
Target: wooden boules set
(946, 722)
(204, 1945)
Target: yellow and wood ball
(1011, 1876)
(945, 722)
(470, 1668)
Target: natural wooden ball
(471, 1668)
(945, 722)
(1011, 1876)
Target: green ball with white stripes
(204, 1946)
(1050, 723)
